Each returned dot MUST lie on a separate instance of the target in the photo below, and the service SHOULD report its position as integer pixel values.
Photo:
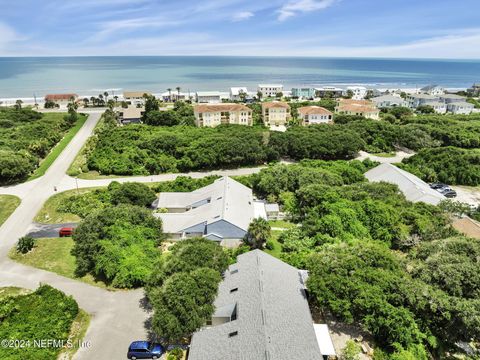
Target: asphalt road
(117, 318)
(38, 231)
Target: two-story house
(212, 115)
(135, 97)
(303, 93)
(363, 108)
(270, 90)
(388, 101)
(312, 115)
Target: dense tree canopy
(26, 137)
(118, 244)
(447, 164)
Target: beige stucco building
(212, 115)
(363, 108)
(275, 113)
(312, 115)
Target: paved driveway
(37, 230)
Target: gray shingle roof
(273, 318)
(228, 200)
(414, 188)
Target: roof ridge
(262, 305)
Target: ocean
(29, 76)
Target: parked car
(449, 193)
(438, 186)
(144, 350)
(65, 231)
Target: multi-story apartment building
(275, 113)
(329, 92)
(270, 90)
(212, 115)
(312, 115)
(305, 93)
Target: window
(232, 334)
(234, 290)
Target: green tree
(258, 233)
(131, 193)
(25, 244)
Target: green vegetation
(46, 313)
(118, 244)
(258, 233)
(72, 206)
(57, 150)
(447, 164)
(183, 286)
(11, 291)
(26, 137)
(54, 254)
(8, 204)
(368, 251)
(77, 333)
(25, 244)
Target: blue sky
(347, 28)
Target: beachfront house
(174, 95)
(210, 97)
(238, 93)
(452, 98)
(329, 92)
(434, 90)
(474, 90)
(313, 115)
(135, 97)
(388, 101)
(460, 108)
(270, 90)
(359, 92)
(276, 114)
(261, 312)
(211, 115)
(62, 100)
(130, 115)
(219, 212)
(363, 108)
(439, 107)
(416, 100)
(303, 93)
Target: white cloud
(296, 7)
(243, 15)
(7, 35)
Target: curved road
(117, 318)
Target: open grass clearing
(54, 254)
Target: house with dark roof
(261, 313)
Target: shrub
(269, 245)
(25, 244)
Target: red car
(65, 231)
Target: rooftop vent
(232, 334)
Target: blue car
(144, 350)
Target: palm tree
(258, 233)
(106, 96)
(111, 104)
(178, 92)
(116, 98)
(85, 102)
(169, 94)
(18, 104)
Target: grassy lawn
(57, 150)
(277, 247)
(281, 224)
(12, 291)
(49, 214)
(77, 333)
(54, 255)
(8, 204)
